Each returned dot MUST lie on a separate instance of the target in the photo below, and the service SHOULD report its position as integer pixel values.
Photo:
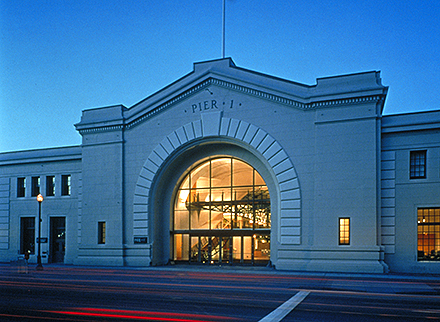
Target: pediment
(209, 85)
(223, 74)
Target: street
(200, 293)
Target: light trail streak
(85, 284)
(220, 276)
(174, 288)
(184, 286)
(31, 317)
(142, 315)
(371, 314)
(227, 277)
(374, 305)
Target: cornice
(176, 99)
(101, 129)
(313, 103)
(256, 93)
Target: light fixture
(40, 200)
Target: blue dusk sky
(59, 57)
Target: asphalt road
(197, 293)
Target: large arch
(214, 134)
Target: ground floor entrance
(221, 214)
(222, 248)
(57, 239)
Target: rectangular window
(65, 185)
(27, 235)
(428, 234)
(417, 165)
(50, 186)
(35, 189)
(21, 187)
(344, 231)
(101, 232)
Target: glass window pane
(199, 197)
(220, 208)
(181, 247)
(258, 179)
(101, 232)
(221, 172)
(247, 248)
(181, 210)
(199, 219)
(21, 187)
(185, 183)
(344, 231)
(417, 164)
(200, 176)
(205, 248)
(226, 249)
(218, 221)
(215, 249)
(181, 220)
(261, 247)
(262, 208)
(195, 256)
(236, 250)
(221, 196)
(428, 230)
(242, 174)
(243, 214)
(35, 189)
(182, 200)
(50, 186)
(65, 185)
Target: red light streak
(142, 315)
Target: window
(222, 214)
(65, 185)
(344, 231)
(428, 234)
(50, 186)
(27, 235)
(222, 194)
(101, 232)
(35, 189)
(21, 187)
(417, 165)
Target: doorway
(58, 239)
(221, 248)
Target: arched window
(223, 205)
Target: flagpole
(223, 29)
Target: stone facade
(325, 152)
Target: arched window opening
(222, 214)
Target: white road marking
(284, 309)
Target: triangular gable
(329, 91)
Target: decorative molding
(260, 94)
(238, 88)
(173, 101)
(101, 129)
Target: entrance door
(58, 239)
(222, 249)
(208, 249)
